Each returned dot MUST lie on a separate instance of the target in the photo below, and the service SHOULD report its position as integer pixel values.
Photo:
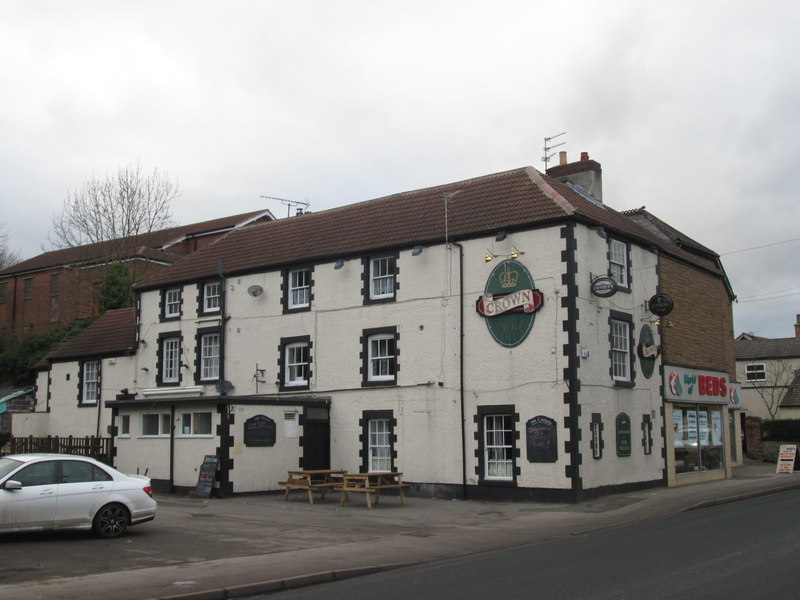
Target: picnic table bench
(321, 481)
(371, 484)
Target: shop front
(699, 440)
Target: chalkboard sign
(208, 472)
(259, 431)
(542, 439)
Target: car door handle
(99, 487)
(47, 492)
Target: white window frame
(212, 295)
(755, 369)
(620, 350)
(299, 292)
(209, 356)
(498, 447)
(618, 262)
(295, 372)
(171, 360)
(381, 278)
(196, 424)
(380, 445)
(164, 425)
(381, 359)
(90, 388)
(172, 303)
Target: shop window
(618, 266)
(756, 372)
(697, 437)
(379, 356)
(377, 441)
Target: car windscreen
(7, 465)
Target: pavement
(301, 544)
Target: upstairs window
(295, 363)
(171, 303)
(28, 288)
(620, 337)
(209, 354)
(297, 285)
(211, 295)
(756, 372)
(380, 356)
(618, 263)
(3, 292)
(381, 279)
(169, 359)
(90, 382)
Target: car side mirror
(12, 485)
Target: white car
(62, 491)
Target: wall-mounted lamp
(143, 342)
(501, 235)
(601, 232)
(490, 256)
(515, 254)
(416, 251)
(338, 264)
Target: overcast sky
(692, 108)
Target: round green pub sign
(509, 303)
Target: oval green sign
(509, 303)
(648, 351)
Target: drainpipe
(461, 368)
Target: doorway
(316, 439)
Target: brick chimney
(797, 328)
(586, 174)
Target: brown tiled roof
(516, 199)
(141, 246)
(113, 334)
(791, 398)
(763, 348)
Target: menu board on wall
(541, 438)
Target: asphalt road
(746, 549)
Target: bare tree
(7, 256)
(779, 375)
(127, 204)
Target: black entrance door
(316, 444)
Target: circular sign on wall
(509, 303)
(660, 304)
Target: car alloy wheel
(111, 521)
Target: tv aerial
(547, 148)
(301, 206)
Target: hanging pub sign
(541, 440)
(509, 303)
(603, 287)
(648, 351)
(660, 304)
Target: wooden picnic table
(371, 484)
(313, 480)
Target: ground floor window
(156, 424)
(697, 437)
(377, 439)
(498, 450)
(198, 423)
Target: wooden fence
(96, 447)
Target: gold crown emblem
(508, 278)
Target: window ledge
(194, 389)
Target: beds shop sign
(509, 303)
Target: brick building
(61, 286)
